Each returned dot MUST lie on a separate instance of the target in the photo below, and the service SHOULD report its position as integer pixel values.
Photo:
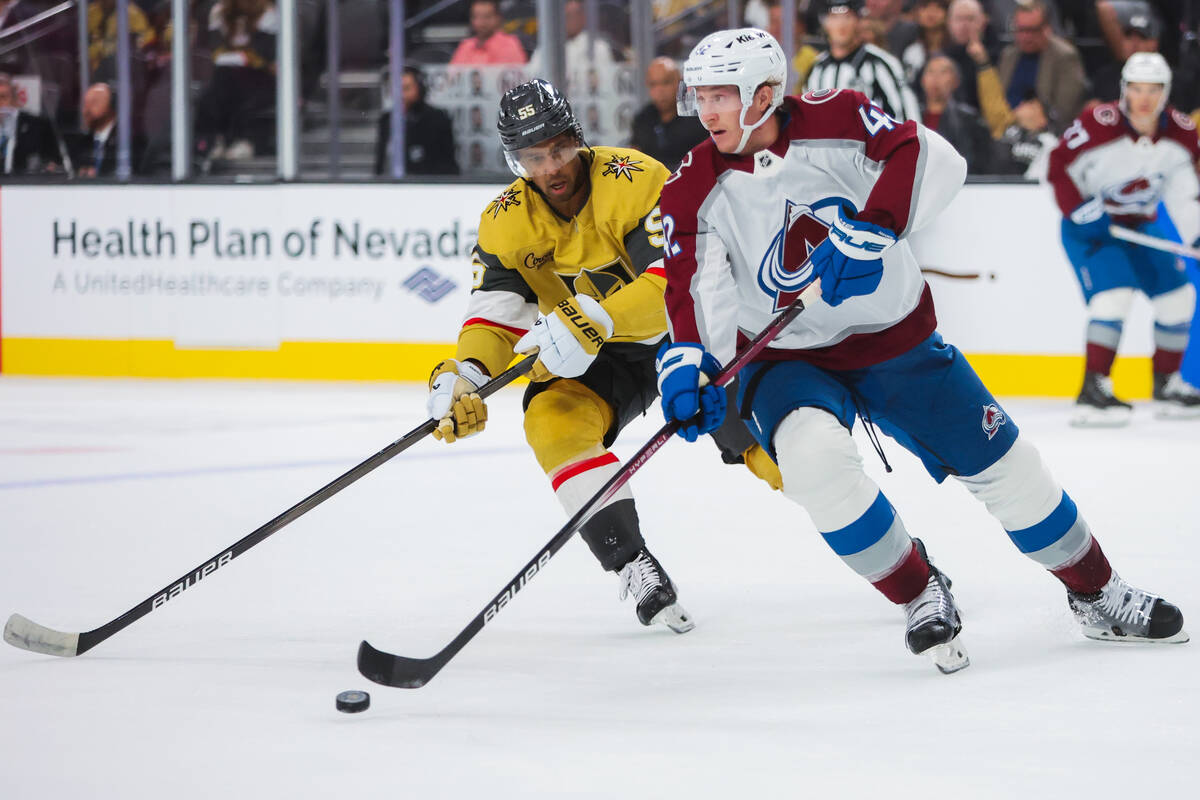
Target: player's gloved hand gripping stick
(412, 673)
(29, 635)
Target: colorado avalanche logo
(1140, 194)
(784, 270)
(506, 199)
(993, 418)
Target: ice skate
(1097, 406)
(1175, 398)
(1123, 613)
(655, 594)
(934, 622)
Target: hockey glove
(699, 407)
(1090, 222)
(569, 338)
(848, 262)
(453, 400)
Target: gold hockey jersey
(529, 257)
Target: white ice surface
(795, 682)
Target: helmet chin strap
(749, 129)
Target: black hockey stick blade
(412, 673)
(26, 634)
(399, 671)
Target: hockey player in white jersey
(827, 186)
(1132, 163)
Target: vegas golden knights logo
(598, 282)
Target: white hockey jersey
(739, 228)
(1101, 155)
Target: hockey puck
(353, 701)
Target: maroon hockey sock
(1100, 358)
(907, 580)
(1167, 361)
(1087, 575)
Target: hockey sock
(613, 533)
(1087, 575)
(1100, 357)
(1172, 325)
(1166, 361)
(822, 471)
(1039, 517)
(877, 546)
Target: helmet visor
(543, 158)
(696, 101)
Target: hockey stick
(1145, 240)
(29, 635)
(412, 673)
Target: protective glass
(544, 158)
(695, 101)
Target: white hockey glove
(453, 399)
(569, 338)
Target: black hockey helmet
(534, 112)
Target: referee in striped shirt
(849, 63)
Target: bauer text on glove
(568, 338)
(849, 263)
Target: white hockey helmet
(744, 57)
(1146, 68)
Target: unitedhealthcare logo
(428, 285)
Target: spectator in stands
(899, 32)
(1036, 60)
(968, 25)
(428, 134)
(102, 36)
(234, 113)
(1139, 35)
(1024, 146)
(27, 143)
(580, 49)
(957, 122)
(806, 54)
(658, 130)
(487, 43)
(95, 154)
(849, 63)
(932, 37)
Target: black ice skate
(1097, 406)
(934, 622)
(655, 595)
(1123, 613)
(1175, 398)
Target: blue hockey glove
(849, 262)
(701, 409)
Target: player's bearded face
(553, 166)
(1144, 99)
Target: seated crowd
(999, 79)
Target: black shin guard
(613, 534)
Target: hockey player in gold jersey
(569, 264)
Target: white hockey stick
(1145, 240)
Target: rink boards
(370, 283)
